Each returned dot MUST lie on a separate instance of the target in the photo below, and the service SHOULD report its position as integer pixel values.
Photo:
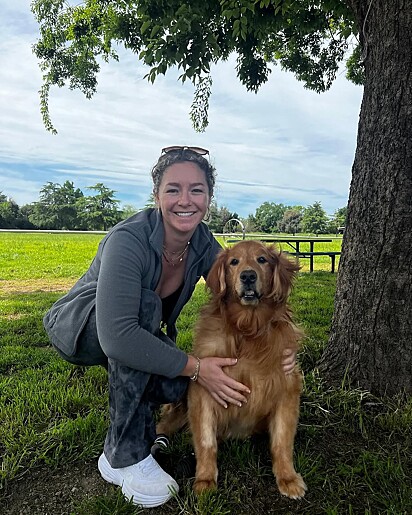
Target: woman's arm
(122, 334)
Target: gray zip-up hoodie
(120, 282)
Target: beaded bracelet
(195, 375)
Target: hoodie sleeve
(127, 315)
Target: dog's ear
(216, 280)
(284, 272)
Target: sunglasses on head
(198, 150)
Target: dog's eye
(234, 262)
(261, 259)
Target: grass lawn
(353, 450)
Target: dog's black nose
(248, 277)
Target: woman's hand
(288, 361)
(224, 389)
(221, 387)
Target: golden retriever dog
(247, 318)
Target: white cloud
(285, 144)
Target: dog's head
(250, 272)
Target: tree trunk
(371, 334)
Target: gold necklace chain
(172, 258)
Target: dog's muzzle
(248, 280)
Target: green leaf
(155, 30)
(236, 27)
(145, 26)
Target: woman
(122, 313)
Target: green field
(354, 450)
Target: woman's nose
(184, 198)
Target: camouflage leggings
(134, 396)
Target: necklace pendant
(171, 257)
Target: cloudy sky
(283, 145)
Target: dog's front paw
(293, 487)
(204, 485)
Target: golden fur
(247, 318)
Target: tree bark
(371, 334)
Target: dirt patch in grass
(35, 285)
(53, 492)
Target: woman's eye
(198, 191)
(234, 262)
(261, 259)
(171, 190)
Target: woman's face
(183, 197)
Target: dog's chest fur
(259, 367)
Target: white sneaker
(146, 482)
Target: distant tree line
(64, 207)
(273, 218)
(68, 208)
